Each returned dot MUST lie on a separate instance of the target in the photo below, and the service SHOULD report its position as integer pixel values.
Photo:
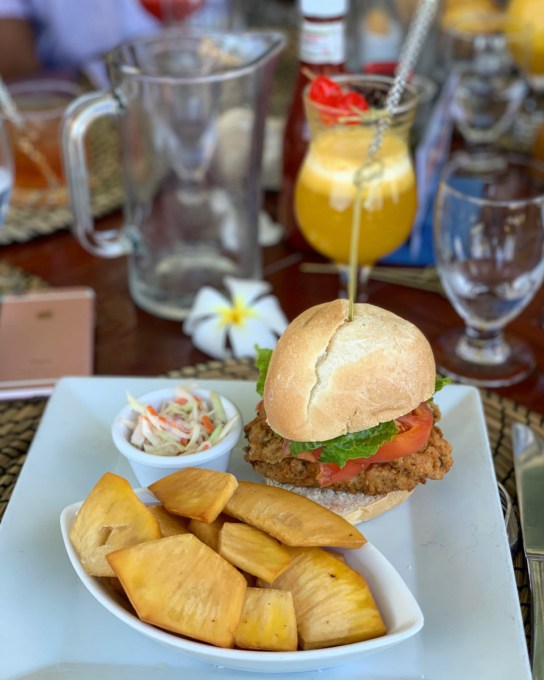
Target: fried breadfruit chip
(111, 517)
(333, 603)
(180, 584)
(170, 524)
(252, 550)
(197, 493)
(292, 519)
(268, 621)
(208, 532)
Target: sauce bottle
(322, 51)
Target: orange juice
(325, 194)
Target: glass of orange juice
(326, 188)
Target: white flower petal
(271, 314)
(244, 338)
(210, 336)
(207, 302)
(246, 291)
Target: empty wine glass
(489, 56)
(489, 246)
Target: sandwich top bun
(329, 376)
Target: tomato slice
(414, 431)
(330, 473)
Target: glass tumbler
(489, 247)
(37, 154)
(6, 172)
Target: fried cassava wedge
(252, 550)
(333, 603)
(197, 493)
(180, 584)
(170, 524)
(268, 621)
(208, 532)
(111, 517)
(292, 519)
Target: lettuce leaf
(440, 382)
(361, 444)
(262, 362)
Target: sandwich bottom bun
(354, 507)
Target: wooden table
(130, 341)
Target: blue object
(431, 154)
(421, 254)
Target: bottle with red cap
(322, 51)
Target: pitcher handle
(78, 117)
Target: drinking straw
(371, 168)
(12, 113)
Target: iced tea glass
(38, 171)
(489, 247)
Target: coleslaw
(182, 426)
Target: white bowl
(148, 467)
(400, 611)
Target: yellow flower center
(235, 315)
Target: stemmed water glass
(326, 188)
(489, 247)
(489, 57)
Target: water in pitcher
(185, 242)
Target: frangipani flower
(249, 318)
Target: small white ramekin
(147, 467)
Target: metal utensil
(528, 450)
(510, 519)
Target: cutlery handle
(536, 577)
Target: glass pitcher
(191, 111)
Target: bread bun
(329, 376)
(353, 507)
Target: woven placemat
(25, 222)
(16, 280)
(20, 419)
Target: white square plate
(447, 542)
